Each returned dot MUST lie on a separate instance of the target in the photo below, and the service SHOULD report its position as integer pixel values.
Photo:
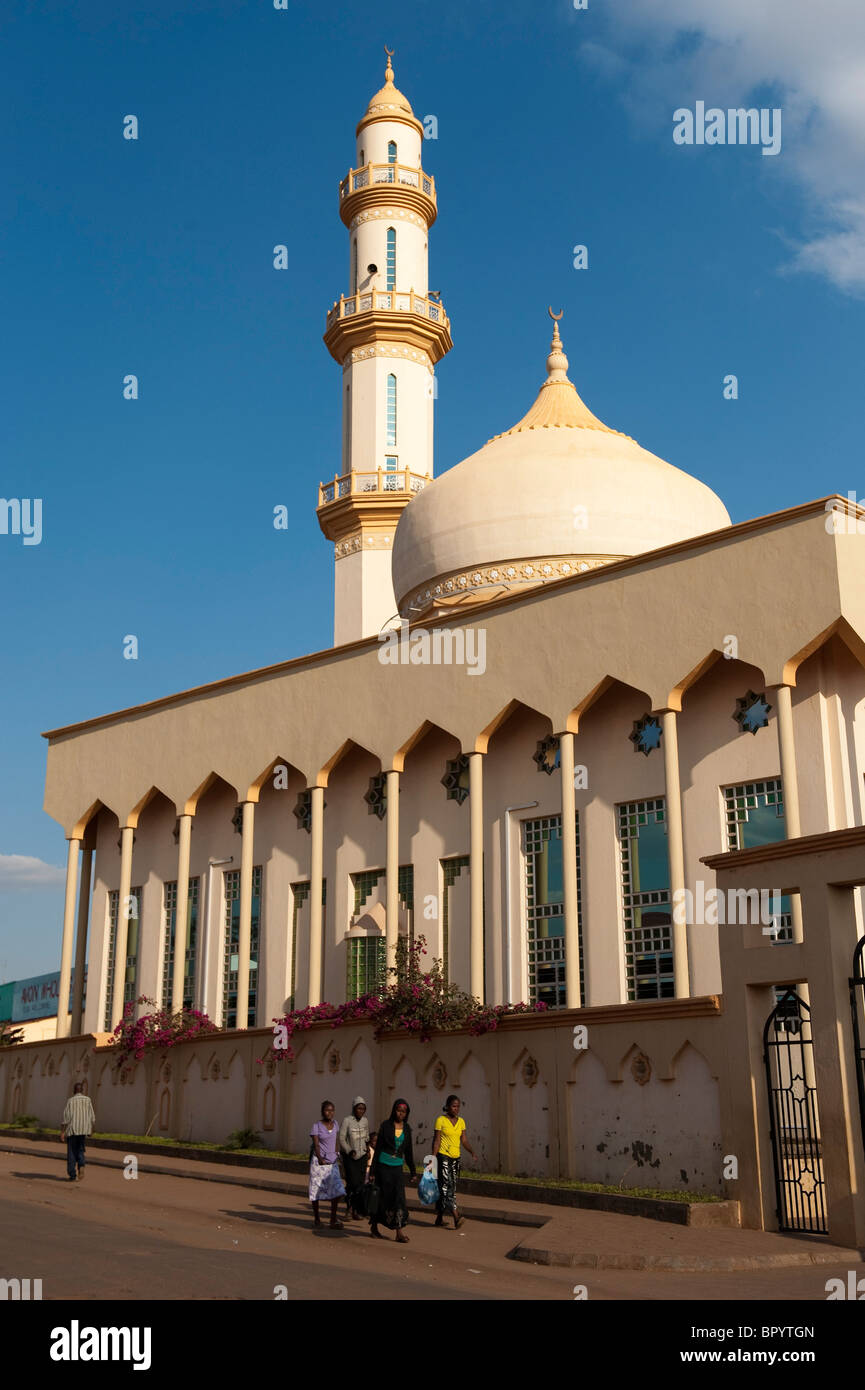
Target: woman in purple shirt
(324, 1175)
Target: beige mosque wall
(431, 829)
(715, 754)
(208, 750)
(282, 850)
(640, 1105)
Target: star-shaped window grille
(646, 735)
(303, 810)
(752, 712)
(548, 755)
(376, 797)
(456, 778)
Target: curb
(683, 1264)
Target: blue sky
(155, 257)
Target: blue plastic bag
(428, 1188)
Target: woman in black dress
(393, 1149)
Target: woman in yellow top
(450, 1133)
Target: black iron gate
(788, 1052)
(857, 1008)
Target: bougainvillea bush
(417, 1001)
(160, 1029)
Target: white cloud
(804, 56)
(22, 871)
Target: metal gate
(857, 1008)
(788, 1052)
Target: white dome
(558, 493)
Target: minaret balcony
(378, 482)
(394, 185)
(358, 320)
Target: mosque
(560, 679)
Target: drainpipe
(527, 806)
(206, 922)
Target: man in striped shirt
(78, 1121)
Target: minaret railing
(388, 173)
(379, 480)
(395, 301)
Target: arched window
(391, 152)
(391, 411)
(354, 266)
(346, 432)
(361, 159)
(391, 259)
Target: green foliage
(244, 1139)
(10, 1034)
(24, 1121)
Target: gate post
(744, 1102)
(829, 912)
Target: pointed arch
(81, 826)
(840, 628)
(191, 804)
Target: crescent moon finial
(389, 51)
(555, 317)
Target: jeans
(75, 1152)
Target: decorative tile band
(376, 214)
(515, 572)
(352, 544)
(388, 350)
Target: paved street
(171, 1237)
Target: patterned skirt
(325, 1181)
(448, 1174)
(390, 1182)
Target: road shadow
(296, 1220)
(39, 1177)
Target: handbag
(428, 1188)
(371, 1200)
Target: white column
(127, 835)
(789, 787)
(392, 870)
(81, 938)
(569, 872)
(181, 913)
(675, 851)
(245, 913)
(68, 928)
(476, 869)
(315, 879)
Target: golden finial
(388, 76)
(557, 362)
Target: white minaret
(387, 334)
